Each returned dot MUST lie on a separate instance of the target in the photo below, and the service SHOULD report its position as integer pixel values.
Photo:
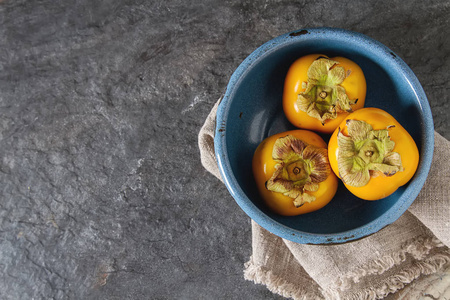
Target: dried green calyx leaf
(365, 153)
(300, 167)
(323, 97)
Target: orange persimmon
(292, 172)
(319, 92)
(372, 154)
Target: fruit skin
(263, 167)
(381, 186)
(354, 84)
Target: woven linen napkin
(369, 268)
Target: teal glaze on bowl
(251, 110)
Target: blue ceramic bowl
(251, 110)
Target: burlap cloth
(370, 268)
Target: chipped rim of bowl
(371, 46)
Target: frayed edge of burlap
(276, 284)
(419, 249)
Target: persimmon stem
(324, 97)
(366, 153)
(300, 168)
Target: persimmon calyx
(323, 97)
(366, 153)
(300, 167)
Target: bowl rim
(282, 230)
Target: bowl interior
(253, 111)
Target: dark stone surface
(103, 195)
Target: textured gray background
(102, 191)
